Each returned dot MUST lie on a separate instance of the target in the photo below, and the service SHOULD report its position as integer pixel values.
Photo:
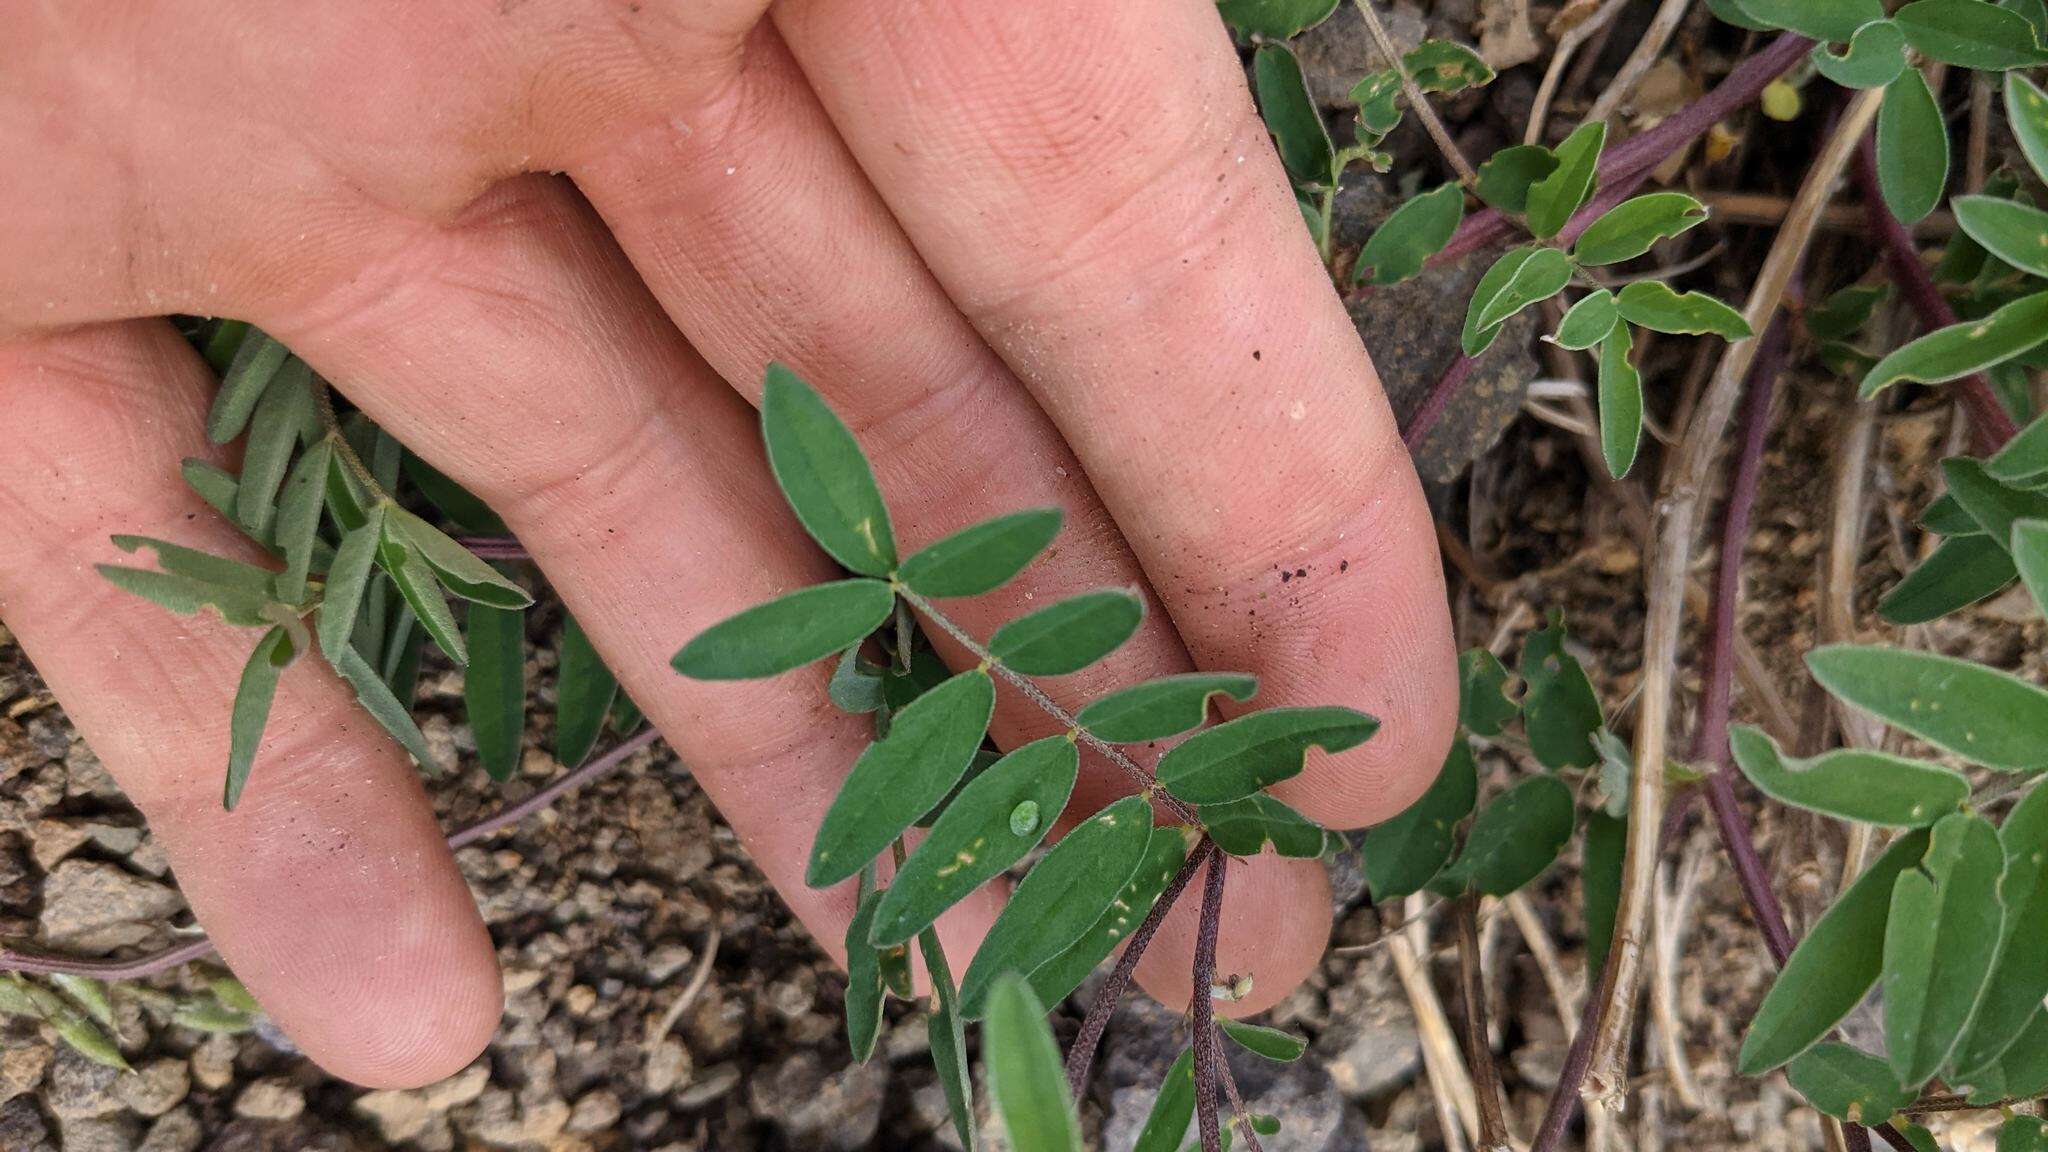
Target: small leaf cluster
(1315, 163)
(931, 765)
(1519, 833)
(342, 567)
(81, 1011)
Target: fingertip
(419, 1024)
(1276, 927)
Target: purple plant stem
(1230, 1093)
(1082, 1055)
(495, 547)
(1989, 421)
(1202, 1006)
(1639, 154)
(142, 967)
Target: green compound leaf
(1070, 635)
(1165, 852)
(212, 484)
(391, 714)
(864, 993)
(1560, 711)
(2015, 233)
(253, 696)
(1847, 1084)
(2030, 555)
(1513, 839)
(1985, 716)
(1445, 66)
(1628, 229)
(1275, 19)
(1853, 784)
(422, 592)
(1173, 1109)
(1939, 945)
(1506, 178)
(1652, 304)
(1875, 57)
(1245, 828)
(824, 475)
(1943, 516)
(1026, 1081)
(1960, 349)
(1553, 199)
(857, 686)
(1833, 967)
(902, 776)
(204, 567)
(1734, 12)
(255, 364)
(1588, 322)
(1158, 709)
(1846, 311)
(1959, 573)
(1970, 34)
(1830, 21)
(584, 692)
(993, 821)
(1271, 1043)
(452, 500)
(2026, 111)
(1483, 704)
(1290, 114)
(494, 686)
(1062, 897)
(347, 577)
(282, 417)
(187, 595)
(1543, 274)
(2023, 1134)
(458, 569)
(2024, 459)
(298, 518)
(948, 1039)
(1912, 147)
(1417, 230)
(1621, 404)
(1493, 283)
(1242, 756)
(981, 557)
(1405, 853)
(1378, 96)
(787, 632)
(2019, 977)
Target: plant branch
(1032, 692)
(1416, 99)
(1230, 1093)
(142, 967)
(1988, 419)
(1638, 155)
(1082, 1055)
(1493, 1125)
(1685, 481)
(1202, 1005)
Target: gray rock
(668, 1067)
(104, 1134)
(86, 776)
(213, 1062)
(595, 1111)
(173, 1132)
(1412, 331)
(1336, 54)
(270, 1099)
(22, 1128)
(836, 1112)
(1369, 1046)
(22, 1064)
(156, 1088)
(79, 1089)
(93, 905)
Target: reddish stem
(1639, 154)
(1082, 1055)
(1989, 421)
(1202, 1006)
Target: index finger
(1094, 188)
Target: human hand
(1034, 253)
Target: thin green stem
(1050, 707)
(1416, 99)
(323, 403)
